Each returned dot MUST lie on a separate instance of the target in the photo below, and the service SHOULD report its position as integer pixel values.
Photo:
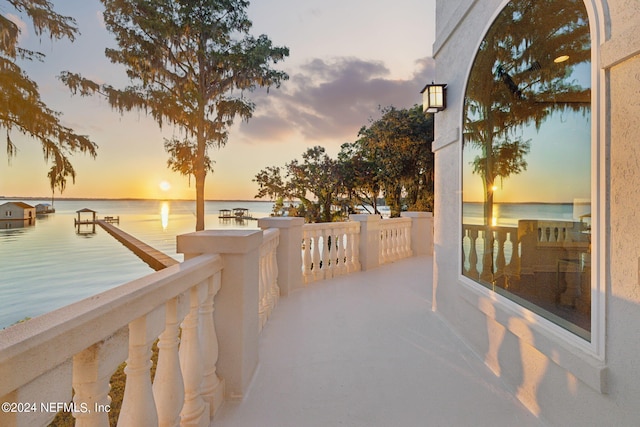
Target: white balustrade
(92, 335)
(329, 249)
(395, 236)
(505, 258)
(194, 311)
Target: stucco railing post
(421, 232)
(236, 304)
(289, 252)
(369, 246)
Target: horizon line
(127, 198)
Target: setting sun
(165, 186)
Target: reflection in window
(526, 161)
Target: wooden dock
(107, 219)
(153, 257)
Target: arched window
(526, 161)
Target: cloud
(333, 99)
(22, 26)
(100, 18)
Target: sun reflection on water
(164, 215)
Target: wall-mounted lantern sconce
(434, 98)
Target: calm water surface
(49, 265)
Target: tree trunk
(200, 174)
(200, 177)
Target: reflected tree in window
(521, 75)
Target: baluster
(393, 245)
(168, 389)
(486, 274)
(317, 269)
(352, 243)
(404, 240)
(514, 263)
(348, 250)
(307, 259)
(341, 264)
(195, 411)
(262, 286)
(138, 407)
(275, 289)
(354, 239)
(464, 256)
(500, 258)
(268, 282)
(383, 244)
(212, 387)
(91, 387)
(406, 234)
(327, 254)
(473, 255)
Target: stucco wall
(552, 375)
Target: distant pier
(237, 214)
(94, 219)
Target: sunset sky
(347, 58)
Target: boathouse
(44, 208)
(12, 211)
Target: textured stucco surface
(542, 369)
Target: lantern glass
(434, 98)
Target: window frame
(540, 332)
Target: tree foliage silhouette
(189, 63)
(519, 78)
(21, 108)
(515, 82)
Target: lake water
(49, 265)
(508, 214)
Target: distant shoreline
(124, 199)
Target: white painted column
(236, 304)
(369, 245)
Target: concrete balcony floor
(366, 350)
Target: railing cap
(365, 217)
(416, 214)
(219, 242)
(280, 222)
